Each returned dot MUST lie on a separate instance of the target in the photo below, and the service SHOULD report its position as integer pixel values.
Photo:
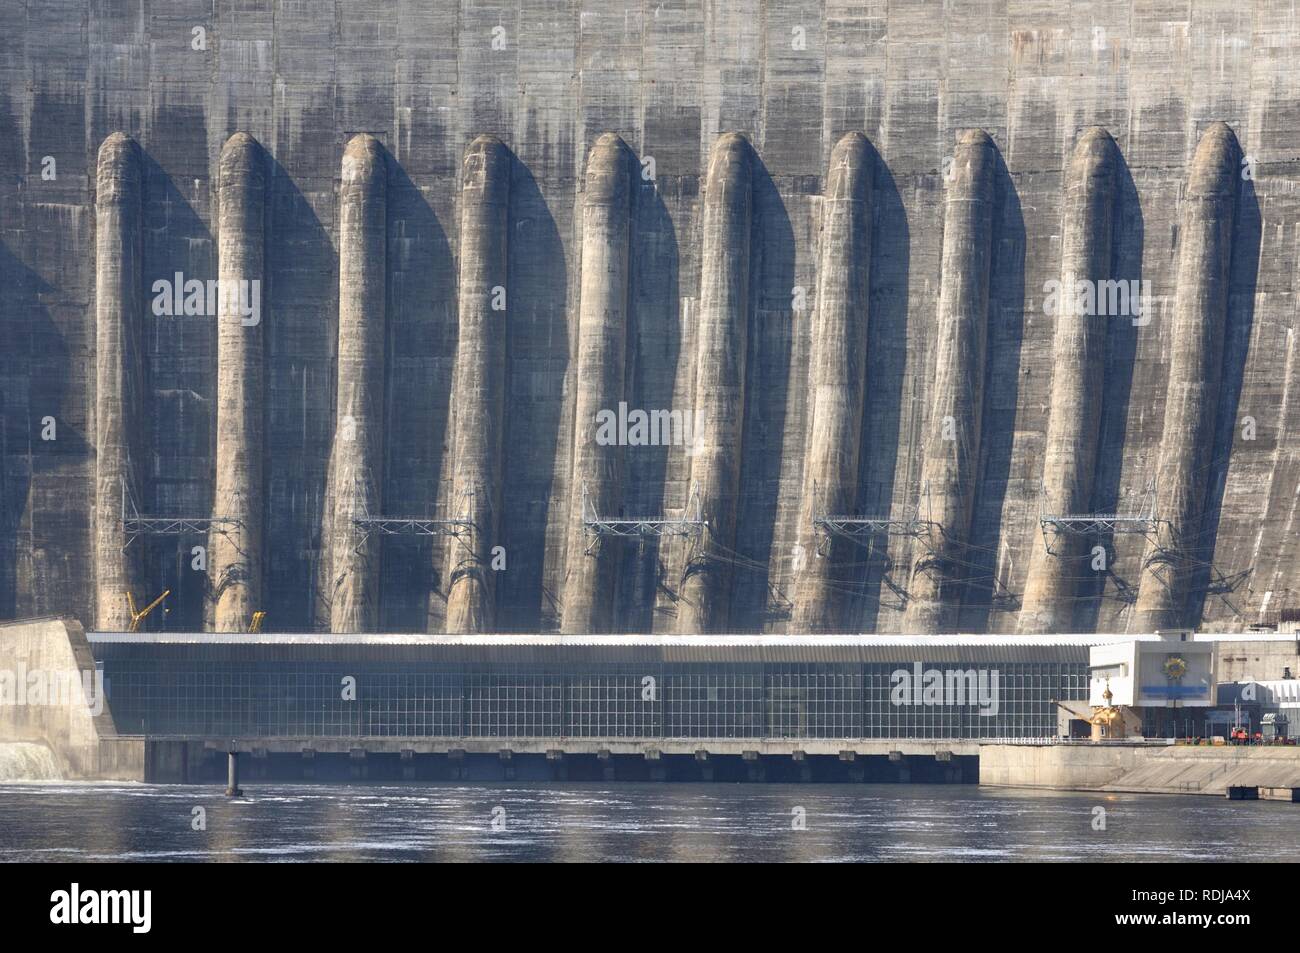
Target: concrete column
(119, 397)
(1078, 369)
(357, 469)
(1195, 368)
(480, 383)
(602, 349)
(235, 551)
(839, 365)
(232, 775)
(721, 343)
(951, 441)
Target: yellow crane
(138, 617)
(256, 625)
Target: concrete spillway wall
(838, 378)
(719, 412)
(480, 386)
(356, 468)
(119, 385)
(952, 438)
(235, 546)
(69, 727)
(1195, 370)
(426, 79)
(602, 355)
(1056, 570)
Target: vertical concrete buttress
(1078, 369)
(838, 373)
(119, 399)
(357, 468)
(1191, 398)
(235, 550)
(721, 343)
(480, 384)
(602, 348)
(952, 439)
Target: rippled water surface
(630, 822)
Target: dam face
(825, 228)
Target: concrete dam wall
(650, 317)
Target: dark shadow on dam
(654, 342)
(984, 592)
(180, 405)
(300, 339)
(772, 329)
(31, 343)
(1206, 580)
(537, 349)
(1128, 237)
(887, 330)
(421, 345)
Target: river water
(630, 822)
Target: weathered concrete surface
(1248, 660)
(1172, 769)
(1062, 767)
(235, 548)
(79, 729)
(357, 466)
(601, 358)
(1053, 585)
(119, 385)
(426, 78)
(838, 376)
(480, 385)
(1195, 370)
(718, 419)
(952, 439)
(1196, 770)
